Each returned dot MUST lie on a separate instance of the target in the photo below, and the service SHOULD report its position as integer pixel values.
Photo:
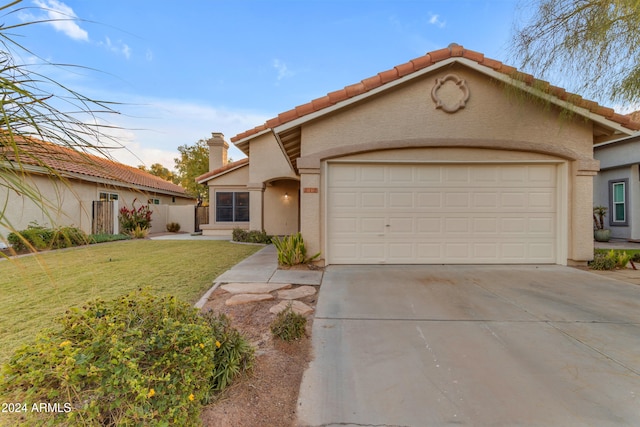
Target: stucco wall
(281, 207)
(492, 113)
(268, 161)
(70, 204)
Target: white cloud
(283, 70)
(118, 47)
(151, 130)
(62, 18)
(435, 20)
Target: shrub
(136, 360)
(602, 262)
(289, 325)
(101, 238)
(234, 355)
(291, 250)
(621, 258)
(173, 227)
(139, 232)
(132, 218)
(251, 236)
(610, 260)
(37, 237)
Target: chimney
(217, 151)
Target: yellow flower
(65, 343)
(151, 393)
(191, 397)
(201, 345)
(218, 344)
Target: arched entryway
(281, 206)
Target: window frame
(238, 208)
(613, 222)
(109, 197)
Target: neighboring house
(617, 186)
(83, 180)
(449, 158)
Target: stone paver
(297, 307)
(247, 298)
(254, 288)
(297, 293)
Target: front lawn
(36, 289)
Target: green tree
(160, 171)
(589, 46)
(193, 162)
(36, 108)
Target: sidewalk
(262, 267)
(616, 244)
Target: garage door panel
(441, 213)
(429, 199)
(373, 199)
(456, 200)
(372, 224)
(401, 200)
(373, 175)
(373, 251)
(342, 199)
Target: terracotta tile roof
(635, 116)
(63, 159)
(428, 60)
(220, 170)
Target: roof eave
(209, 178)
(82, 177)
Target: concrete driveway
(473, 345)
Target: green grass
(36, 289)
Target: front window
(618, 202)
(232, 206)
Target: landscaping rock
(247, 298)
(297, 307)
(254, 288)
(297, 293)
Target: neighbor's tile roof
(222, 169)
(63, 159)
(425, 61)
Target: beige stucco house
(449, 158)
(70, 183)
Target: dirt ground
(267, 396)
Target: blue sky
(185, 69)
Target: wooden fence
(102, 217)
(202, 217)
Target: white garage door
(437, 213)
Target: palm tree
(29, 115)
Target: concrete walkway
(262, 267)
(616, 244)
